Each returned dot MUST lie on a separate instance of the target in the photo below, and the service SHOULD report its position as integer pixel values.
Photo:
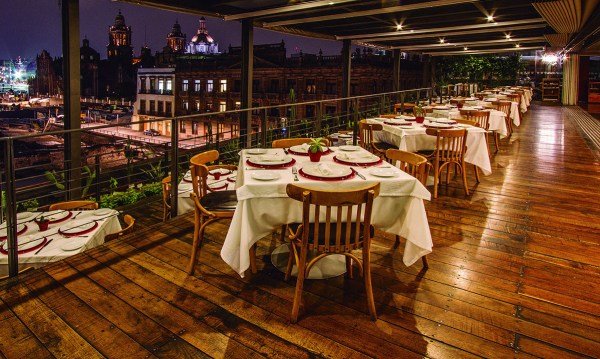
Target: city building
(176, 39)
(194, 85)
(119, 39)
(90, 63)
(202, 42)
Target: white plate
(271, 160)
(188, 177)
(445, 120)
(72, 244)
(396, 121)
(343, 135)
(26, 242)
(362, 158)
(383, 172)
(3, 230)
(219, 186)
(23, 216)
(350, 148)
(77, 226)
(304, 148)
(326, 170)
(222, 171)
(441, 125)
(257, 151)
(102, 212)
(265, 175)
(56, 215)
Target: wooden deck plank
(515, 272)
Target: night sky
(29, 26)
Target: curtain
(570, 80)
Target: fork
(295, 172)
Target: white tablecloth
(264, 206)
(107, 224)
(414, 138)
(497, 121)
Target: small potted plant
(42, 223)
(315, 149)
(419, 114)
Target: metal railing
(121, 166)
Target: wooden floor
(515, 272)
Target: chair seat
(426, 153)
(384, 146)
(219, 201)
(332, 231)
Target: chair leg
(299, 286)
(447, 174)
(368, 285)
(349, 267)
(464, 176)
(425, 263)
(436, 179)
(198, 238)
(253, 258)
(290, 264)
(283, 231)
(476, 173)
(496, 141)
(397, 241)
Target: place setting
(270, 161)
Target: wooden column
(72, 106)
(246, 91)
(396, 76)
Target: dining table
(68, 233)
(408, 135)
(497, 119)
(263, 205)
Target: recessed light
(412, 30)
(466, 48)
(331, 3)
(399, 27)
(490, 18)
(508, 36)
(517, 45)
(442, 41)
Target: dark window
(142, 106)
(237, 85)
(152, 108)
(274, 85)
(330, 110)
(291, 84)
(152, 83)
(255, 85)
(330, 88)
(310, 111)
(168, 108)
(143, 84)
(161, 106)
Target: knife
(44, 246)
(358, 174)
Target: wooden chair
(129, 221)
(516, 98)
(73, 206)
(339, 234)
(388, 116)
(450, 147)
(166, 197)
(504, 106)
(416, 166)
(209, 206)
(365, 133)
(456, 102)
(466, 122)
(289, 142)
(428, 110)
(482, 118)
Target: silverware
(358, 174)
(264, 169)
(75, 216)
(295, 172)
(285, 150)
(44, 246)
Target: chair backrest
(388, 116)
(347, 229)
(450, 145)
(503, 106)
(482, 118)
(466, 122)
(73, 205)
(515, 98)
(129, 222)
(199, 170)
(428, 110)
(365, 133)
(411, 163)
(456, 101)
(166, 192)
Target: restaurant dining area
(457, 219)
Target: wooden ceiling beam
(482, 52)
(286, 9)
(523, 40)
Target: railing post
(430, 95)
(218, 139)
(263, 127)
(402, 103)
(418, 96)
(174, 166)
(11, 209)
(355, 124)
(97, 170)
(319, 118)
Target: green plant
(155, 172)
(56, 178)
(316, 145)
(419, 111)
(89, 180)
(26, 205)
(113, 184)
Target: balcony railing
(122, 164)
(155, 92)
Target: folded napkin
(304, 147)
(324, 169)
(271, 158)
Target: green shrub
(130, 196)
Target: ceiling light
(490, 18)
(331, 3)
(508, 36)
(442, 41)
(517, 45)
(399, 27)
(412, 30)
(466, 48)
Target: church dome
(202, 35)
(176, 31)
